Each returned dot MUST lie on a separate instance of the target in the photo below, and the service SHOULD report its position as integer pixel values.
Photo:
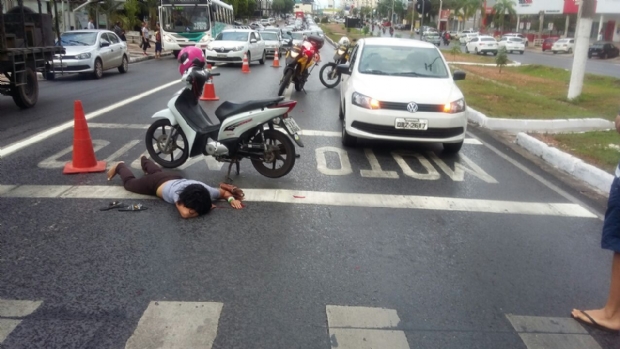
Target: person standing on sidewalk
(91, 25)
(145, 38)
(158, 42)
(608, 317)
(119, 31)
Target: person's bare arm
(228, 196)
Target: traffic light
(427, 6)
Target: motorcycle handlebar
(214, 74)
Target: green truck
(27, 46)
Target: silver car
(91, 51)
(273, 42)
(432, 37)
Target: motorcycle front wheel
(166, 144)
(328, 73)
(280, 149)
(286, 80)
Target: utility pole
(587, 8)
(541, 19)
(439, 21)
(422, 20)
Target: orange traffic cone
(276, 60)
(84, 160)
(209, 66)
(245, 67)
(208, 92)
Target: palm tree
(468, 9)
(503, 8)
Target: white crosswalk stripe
(12, 313)
(551, 333)
(168, 325)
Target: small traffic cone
(208, 92)
(84, 160)
(245, 67)
(276, 60)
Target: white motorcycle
(244, 130)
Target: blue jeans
(611, 225)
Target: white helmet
(344, 41)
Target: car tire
(26, 95)
(262, 60)
(570, 50)
(452, 148)
(476, 51)
(521, 52)
(124, 65)
(603, 56)
(555, 52)
(494, 53)
(249, 59)
(98, 69)
(347, 139)
(50, 76)
(340, 113)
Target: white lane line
(320, 198)
(177, 325)
(10, 149)
(543, 181)
(14, 310)
(550, 332)
(367, 339)
(317, 133)
(361, 317)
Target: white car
(273, 43)
(517, 35)
(230, 45)
(563, 45)
(464, 38)
(91, 51)
(265, 22)
(422, 103)
(482, 45)
(512, 44)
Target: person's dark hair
(197, 198)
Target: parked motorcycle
(244, 130)
(328, 74)
(299, 62)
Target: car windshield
(269, 36)
(185, 19)
(561, 41)
(78, 38)
(232, 36)
(402, 61)
(297, 35)
(516, 39)
(487, 39)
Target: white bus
(192, 22)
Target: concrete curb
(532, 125)
(593, 176)
(135, 59)
(331, 41)
(515, 64)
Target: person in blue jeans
(191, 198)
(608, 317)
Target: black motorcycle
(328, 75)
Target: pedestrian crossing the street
(171, 325)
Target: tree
(277, 6)
(130, 19)
(502, 58)
(502, 9)
(355, 11)
(469, 8)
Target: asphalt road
(488, 248)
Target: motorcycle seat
(196, 118)
(228, 109)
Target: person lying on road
(191, 198)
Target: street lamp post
(439, 21)
(422, 20)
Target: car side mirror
(105, 43)
(459, 75)
(289, 33)
(344, 69)
(253, 41)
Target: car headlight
(237, 48)
(169, 38)
(204, 38)
(294, 54)
(365, 102)
(210, 47)
(85, 55)
(457, 106)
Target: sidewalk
(137, 55)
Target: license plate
(411, 124)
(222, 55)
(291, 125)
(58, 65)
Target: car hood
(76, 50)
(407, 89)
(271, 42)
(226, 43)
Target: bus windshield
(185, 19)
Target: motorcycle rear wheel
(325, 73)
(160, 151)
(286, 80)
(285, 153)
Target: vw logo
(412, 107)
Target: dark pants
(148, 183)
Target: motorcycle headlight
(364, 101)
(294, 54)
(457, 106)
(83, 55)
(341, 51)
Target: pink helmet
(187, 56)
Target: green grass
(504, 102)
(592, 147)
